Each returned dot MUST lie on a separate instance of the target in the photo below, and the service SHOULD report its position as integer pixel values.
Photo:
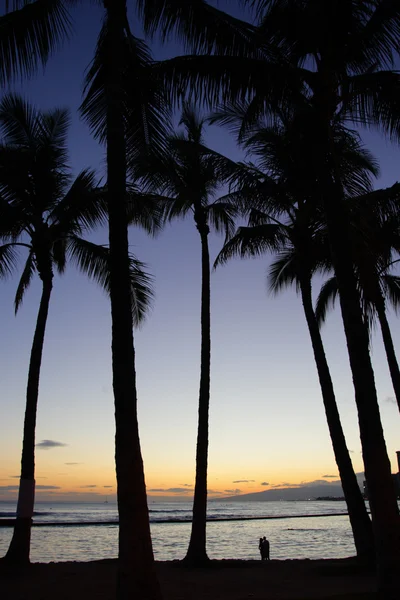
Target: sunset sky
(267, 423)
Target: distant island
(316, 490)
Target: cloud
(14, 476)
(264, 483)
(73, 464)
(390, 400)
(244, 481)
(214, 492)
(47, 444)
(171, 490)
(108, 486)
(330, 476)
(286, 484)
(6, 488)
(186, 484)
(87, 486)
(237, 491)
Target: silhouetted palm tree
(42, 211)
(126, 109)
(342, 53)
(375, 241)
(189, 177)
(289, 223)
(326, 62)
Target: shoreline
(4, 522)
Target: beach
(222, 580)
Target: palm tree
(326, 62)
(42, 211)
(125, 108)
(343, 56)
(375, 243)
(288, 222)
(189, 177)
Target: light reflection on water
(312, 537)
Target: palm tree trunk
(389, 348)
(136, 569)
(197, 553)
(381, 491)
(19, 549)
(359, 519)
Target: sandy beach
(223, 580)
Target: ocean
(233, 530)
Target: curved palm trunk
(136, 575)
(381, 491)
(359, 519)
(197, 553)
(389, 348)
(19, 549)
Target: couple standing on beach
(263, 547)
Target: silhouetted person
(264, 548)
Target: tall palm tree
(332, 61)
(189, 177)
(289, 223)
(376, 243)
(126, 110)
(42, 211)
(343, 55)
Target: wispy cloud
(108, 486)
(390, 400)
(177, 490)
(87, 487)
(237, 491)
(38, 487)
(186, 484)
(244, 481)
(264, 483)
(48, 444)
(329, 476)
(72, 464)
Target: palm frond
(202, 27)
(252, 242)
(8, 260)
(210, 80)
(54, 125)
(221, 216)
(29, 35)
(326, 299)
(19, 122)
(59, 257)
(148, 211)
(25, 280)
(391, 284)
(284, 271)
(374, 100)
(146, 111)
(84, 206)
(93, 260)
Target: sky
(267, 423)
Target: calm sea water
(297, 537)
